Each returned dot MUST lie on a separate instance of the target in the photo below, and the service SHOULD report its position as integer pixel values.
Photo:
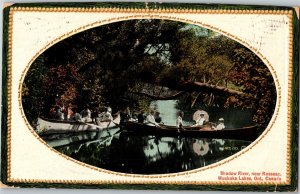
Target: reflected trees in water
(153, 155)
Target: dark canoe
(244, 133)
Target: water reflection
(123, 152)
(147, 154)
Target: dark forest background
(132, 62)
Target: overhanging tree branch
(154, 97)
(203, 87)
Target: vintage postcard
(150, 96)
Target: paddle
(92, 125)
(112, 121)
(162, 126)
(117, 124)
(107, 128)
(153, 123)
(181, 129)
(97, 126)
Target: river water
(136, 154)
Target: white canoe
(54, 126)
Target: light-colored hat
(221, 119)
(197, 114)
(109, 109)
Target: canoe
(245, 133)
(49, 126)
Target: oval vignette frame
(113, 20)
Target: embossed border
(150, 13)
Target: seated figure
(220, 125)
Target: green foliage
(111, 60)
(250, 73)
(33, 90)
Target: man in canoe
(59, 113)
(125, 115)
(104, 116)
(158, 117)
(86, 115)
(150, 119)
(75, 116)
(141, 116)
(179, 121)
(220, 125)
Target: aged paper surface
(297, 11)
(4, 186)
(267, 35)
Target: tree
(254, 77)
(112, 62)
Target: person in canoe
(150, 119)
(125, 115)
(59, 113)
(86, 115)
(200, 121)
(69, 112)
(104, 116)
(179, 121)
(141, 116)
(220, 125)
(158, 118)
(76, 116)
